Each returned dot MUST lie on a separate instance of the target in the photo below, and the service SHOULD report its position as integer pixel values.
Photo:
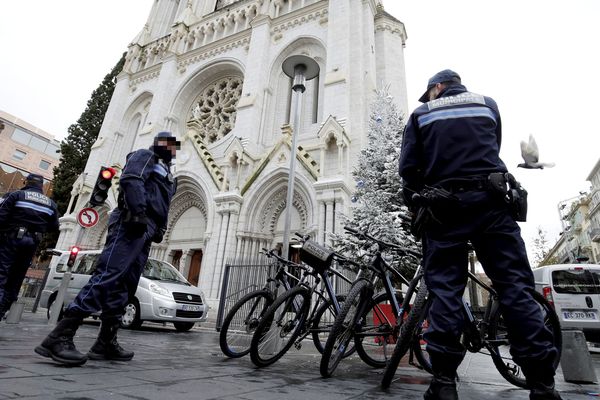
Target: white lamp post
(301, 69)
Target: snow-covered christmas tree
(378, 204)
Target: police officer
(146, 189)
(452, 143)
(25, 215)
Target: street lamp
(301, 69)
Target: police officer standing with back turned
(146, 189)
(25, 215)
(451, 144)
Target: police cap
(446, 75)
(168, 136)
(35, 178)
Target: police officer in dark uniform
(25, 215)
(146, 189)
(452, 143)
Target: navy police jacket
(147, 186)
(457, 135)
(28, 208)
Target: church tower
(211, 72)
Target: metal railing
(241, 279)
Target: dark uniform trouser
(484, 221)
(117, 272)
(15, 259)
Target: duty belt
(21, 232)
(464, 185)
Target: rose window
(213, 113)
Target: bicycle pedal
(298, 346)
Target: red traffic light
(103, 183)
(72, 256)
(108, 173)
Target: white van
(163, 294)
(574, 289)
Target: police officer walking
(451, 144)
(25, 215)
(146, 189)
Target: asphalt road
(189, 365)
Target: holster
(433, 204)
(506, 186)
(517, 199)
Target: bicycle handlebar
(383, 243)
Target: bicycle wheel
(241, 322)
(323, 321)
(499, 344)
(377, 331)
(408, 331)
(282, 323)
(342, 331)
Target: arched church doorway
(195, 263)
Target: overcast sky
(537, 58)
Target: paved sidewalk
(171, 365)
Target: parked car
(574, 289)
(163, 294)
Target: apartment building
(25, 149)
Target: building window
(44, 165)
(213, 113)
(19, 155)
(224, 3)
(21, 137)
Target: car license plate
(187, 307)
(587, 315)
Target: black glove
(158, 235)
(136, 225)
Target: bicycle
(364, 317)
(294, 315)
(242, 319)
(487, 332)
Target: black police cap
(446, 75)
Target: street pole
(57, 305)
(301, 69)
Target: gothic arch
(280, 88)
(264, 205)
(188, 195)
(205, 76)
(133, 122)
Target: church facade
(210, 71)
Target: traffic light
(72, 256)
(100, 192)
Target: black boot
(540, 380)
(543, 392)
(441, 388)
(59, 346)
(443, 383)
(106, 346)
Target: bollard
(576, 362)
(15, 312)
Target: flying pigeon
(531, 155)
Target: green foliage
(75, 149)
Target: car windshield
(576, 281)
(158, 270)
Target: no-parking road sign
(87, 217)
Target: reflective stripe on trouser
(484, 221)
(117, 272)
